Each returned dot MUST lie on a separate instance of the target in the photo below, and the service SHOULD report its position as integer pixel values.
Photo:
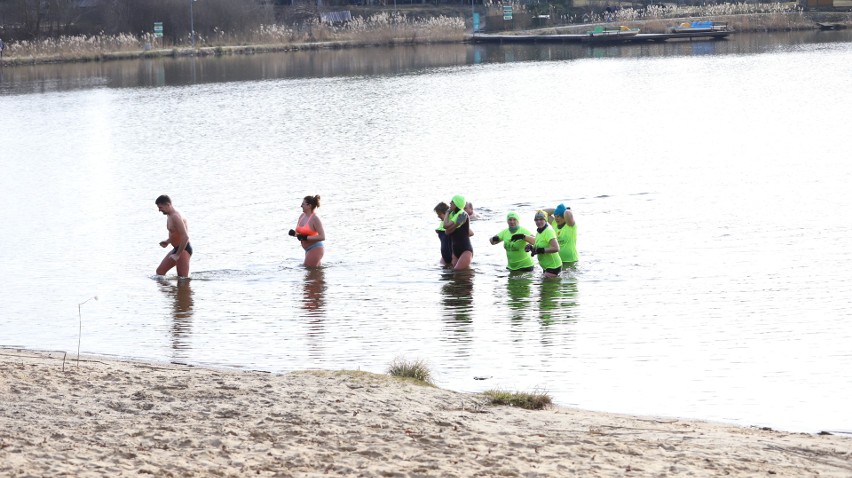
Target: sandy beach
(116, 418)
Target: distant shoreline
(742, 23)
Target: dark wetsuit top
(460, 239)
(187, 249)
(446, 247)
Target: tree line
(33, 19)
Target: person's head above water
(513, 220)
(559, 213)
(441, 209)
(468, 208)
(164, 203)
(458, 202)
(311, 202)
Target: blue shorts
(316, 244)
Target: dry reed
(387, 28)
(382, 28)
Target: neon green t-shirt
(516, 256)
(549, 260)
(567, 238)
(440, 227)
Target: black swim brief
(188, 249)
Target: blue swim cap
(560, 210)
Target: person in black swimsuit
(457, 226)
(178, 237)
(188, 249)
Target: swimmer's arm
(449, 226)
(320, 235)
(569, 217)
(554, 246)
(452, 226)
(495, 239)
(549, 211)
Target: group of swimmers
(308, 231)
(554, 243)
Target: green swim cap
(459, 201)
(513, 215)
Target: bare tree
(136, 16)
(29, 15)
(62, 15)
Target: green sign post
(158, 29)
(507, 12)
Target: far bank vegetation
(69, 30)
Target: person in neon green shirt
(545, 246)
(513, 239)
(562, 220)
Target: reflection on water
(180, 294)
(557, 300)
(704, 47)
(313, 304)
(548, 300)
(457, 302)
(192, 70)
(366, 61)
(519, 288)
(313, 300)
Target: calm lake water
(710, 182)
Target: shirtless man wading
(178, 237)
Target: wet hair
(442, 208)
(313, 201)
(163, 199)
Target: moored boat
(830, 26)
(611, 34)
(700, 27)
